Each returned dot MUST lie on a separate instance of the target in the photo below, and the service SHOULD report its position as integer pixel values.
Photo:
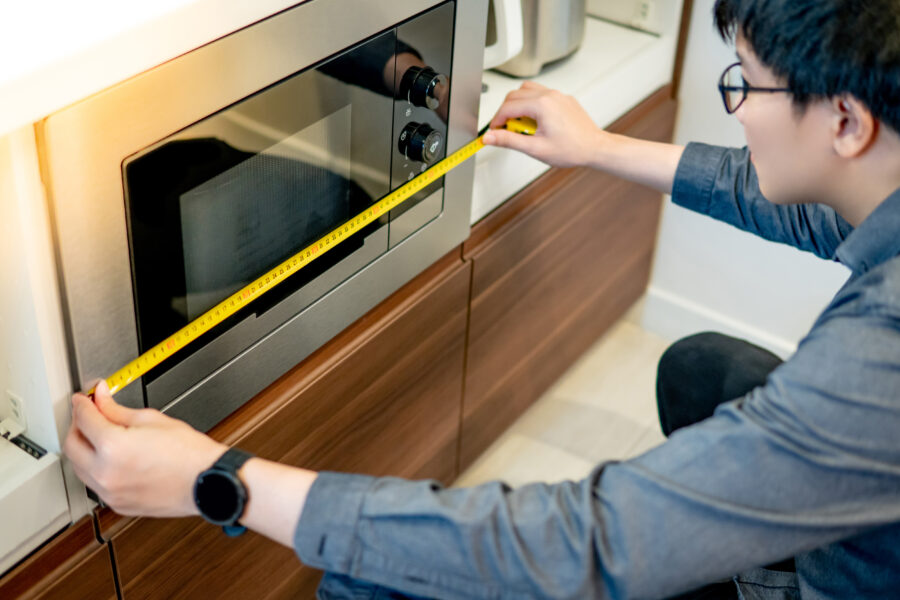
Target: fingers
(78, 449)
(533, 85)
(89, 420)
(112, 410)
(523, 100)
(515, 107)
(514, 141)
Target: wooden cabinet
(383, 398)
(72, 566)
(553, 268)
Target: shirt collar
(875, 240)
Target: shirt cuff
(695, 177)
(326, 533)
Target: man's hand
(140, 462)
(566, 136)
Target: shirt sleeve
(722, 183)
(810, 458)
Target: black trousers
(694, 376)
(698, 373)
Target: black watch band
(219, 493)
(232, 460)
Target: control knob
(420, 142)
(422, 86)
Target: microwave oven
(173, 189)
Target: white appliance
(551, 31)
(504, 37)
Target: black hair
(824, 48)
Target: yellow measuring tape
(232, 304)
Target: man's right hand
(566, 136)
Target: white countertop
(615, 69)
(56, 52)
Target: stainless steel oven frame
(83, 148)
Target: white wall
(711, 276)
(33, 362)
(25, 258)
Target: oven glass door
(217, 204)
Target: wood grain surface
(71, 566)
(553, 269)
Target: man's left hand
(139, 461)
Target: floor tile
(517, 459)
(618, 373)
(603, 408)
(590, 432)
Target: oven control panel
(423, 82)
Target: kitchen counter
(615, 69)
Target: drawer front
(72, 566)
(552, 269)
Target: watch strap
(231, 461)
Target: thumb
(112, 410)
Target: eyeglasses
(734, 89)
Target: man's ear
(855, 129)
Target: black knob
(421, 86)
(420, 142)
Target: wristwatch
(219, 493)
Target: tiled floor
(603, 408)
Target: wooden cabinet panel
(72, 566)
(383, 398)
(553, 269)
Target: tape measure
(235, 302)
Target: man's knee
(699, 372)
(690, 358)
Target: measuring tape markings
(232, 304)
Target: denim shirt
(807, 465)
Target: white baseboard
(673, 317)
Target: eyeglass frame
(746, 89)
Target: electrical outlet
(17, 409)
(645, 14)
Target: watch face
(219, 497)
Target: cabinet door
(72, 566)
(382, 398)
(554, 267)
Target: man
(806, 464)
